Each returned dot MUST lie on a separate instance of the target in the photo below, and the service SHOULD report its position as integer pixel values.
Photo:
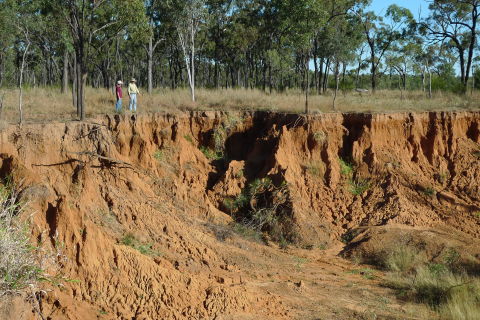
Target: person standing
(132, 93)
(119, 94)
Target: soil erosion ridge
(158, 215)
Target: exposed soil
(413, 176)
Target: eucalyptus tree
(94, 24)
(155, 36)
(189, 18)
(455, 21)
(381, 33)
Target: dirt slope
(141, 214)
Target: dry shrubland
(41, 104)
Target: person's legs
(132, 98)
(134, 102)
(118, 105)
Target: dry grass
(42, 104)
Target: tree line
(272, 45)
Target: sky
(380, 6)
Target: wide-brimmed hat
(133, 80)
(119, 82)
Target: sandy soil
(94, 184)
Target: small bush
(159, 155)
(264, 207)
(454, 296)
(144, 248)
(463, 302)
(211, 154)
(348, 236)
(441, 177)
(22, 265)
(403, 259)
(239, 174)
(346, 168)
(429, 191)
(358, 187)
(246, 232)
(367, 273)
(320, 137)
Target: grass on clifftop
(45, 104)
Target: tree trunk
(20, 82)
(337, 82)
(150, 65)
(65, 72)
(320, 77)
(74, 81)
(307, 83)
(82, 94)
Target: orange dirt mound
(141, 214)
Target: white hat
(119, 82)
(133, 80)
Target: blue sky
(380, 6)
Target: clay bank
(148, 208)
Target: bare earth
(92, 183)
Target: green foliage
(451, 258)
(358, 186)
(23, 266)
(348, 236)
(211, 154)
(144, 248)
(239, 174)
(346, 168)
(159, 155)
(264, 207)
(188, 138)
(442, 286)
(429, 191)
(402, 258)
(442, 177)
(299, 262)
(246, 232)
(367, 273)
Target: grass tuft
(346, 168)
(144, 248)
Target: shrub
(22, 265)
(463, 302)
(246, 232)
(346, 168)
(211, 154)
(403, 259)
(159, 155)
(454, 296)
(144, 248)
(320, 137)
(429, 191)
(358, 187)
(264, 207)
